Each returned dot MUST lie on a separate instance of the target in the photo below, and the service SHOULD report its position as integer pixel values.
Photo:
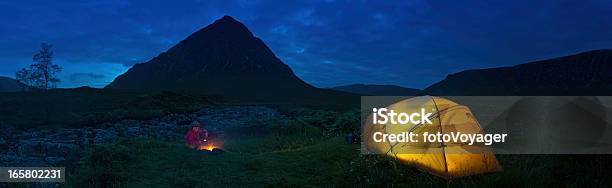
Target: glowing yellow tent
(446, 159)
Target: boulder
(58, 149)
(3, 145)
(102, 136)
(31, 148)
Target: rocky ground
(52, 147)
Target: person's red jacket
(196, 136)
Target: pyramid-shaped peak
(227, 22)
(225, 27)
(228, 18)
(223, 57)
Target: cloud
(281, 29)
(418, 42)
(328, 62)
(80, 77)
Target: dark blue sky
(410, 43)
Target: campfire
(208, 147)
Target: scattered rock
(102, 136)
(55, 160)
(58, 149)
(3, 144)
(31, 148)
(48, 147)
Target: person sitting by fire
(196, 136)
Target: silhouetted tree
(25, 76)
(41, 74)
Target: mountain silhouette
(223, 58)
(378, 90)
(11, 85)
(587, 73)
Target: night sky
(327, 43)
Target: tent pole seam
(443, 145)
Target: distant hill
(10, 85)
(84, 106)
(587, 73)
(378, 90)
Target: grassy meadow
(308, 151)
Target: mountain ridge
(585, 73)
(378, 89)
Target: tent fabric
(447, 160)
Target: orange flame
(208, 147)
